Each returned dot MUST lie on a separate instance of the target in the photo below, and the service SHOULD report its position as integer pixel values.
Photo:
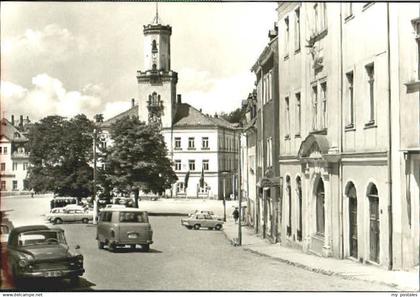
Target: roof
(118, 209)
(186, 115)
(133, 111)
(11, 132)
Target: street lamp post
(239, 198)
(95, 201)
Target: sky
(82, 57)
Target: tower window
(154, 47)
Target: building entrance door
(374, 224)
(320, 208)
(353, 226)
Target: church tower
(157, 83)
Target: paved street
(182, 259)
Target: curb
(316, 270)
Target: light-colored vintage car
(202, 220)
(70, 215)
(119, 227)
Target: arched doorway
(320, 208)
(299, 196)
(289, 200)
(352, 196)
(374, 231)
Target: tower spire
(156, 19)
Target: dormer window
(17, 135)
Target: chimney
(179, 98)
(13, 120)
(201, 110)
(133, 103)
(21, 121)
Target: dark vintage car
(42, 252)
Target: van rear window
(133, 217)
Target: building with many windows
(200, 146)
(267, 199)
(349, 142)
(14, 159)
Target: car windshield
(40, 238)
(133, 217)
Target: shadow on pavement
(53, 285)
(136, 250)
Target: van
(118, 227)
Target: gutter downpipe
(390, 218)
(341, 133)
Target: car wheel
(100, 245)
(58, 221)
(112, 247)
(197, 226)
(189, 227)
(85, 221)
(145, 247)
(218, 227)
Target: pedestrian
(235, 215)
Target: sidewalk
(400, 280)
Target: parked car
(123, 226)
(41, 252)
(70, 215)
(201, 220)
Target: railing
(20, 155)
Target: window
(348, 9)
(314, 107)
(3, 166)
(25, 166)
(191, 165)
(205, 142)
(324, 105)
(1, 149)
(269, 152)
(3, 185)
(5, 150)
(14, 166)
(180, 187)
(286, 37)
(297, 29)
(191, 144)
(299, 196)
(287, 116)
(15, 185)
(350, 102)
(206, 164)
(298, 114)
(177, 143)
(177, 164)
(370, 71)
(320, 17)
(105, 216)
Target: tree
(138, 160)
(60, 154)
(234, 116)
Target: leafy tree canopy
(234, 116)
(60, 154)
(138, 158)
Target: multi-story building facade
(340, 159)
(267, 123)
(14, 159)
(199, 146)
(249, 158)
